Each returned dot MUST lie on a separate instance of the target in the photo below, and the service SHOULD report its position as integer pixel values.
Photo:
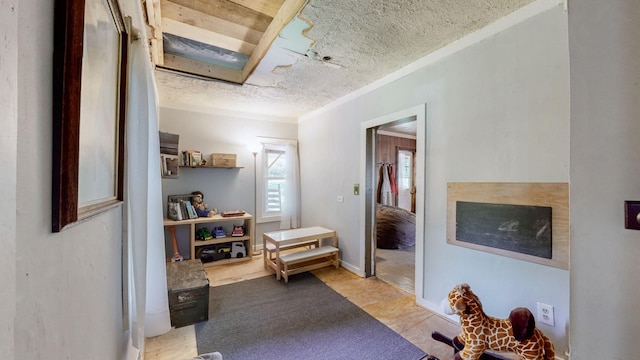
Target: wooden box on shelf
(223, 160)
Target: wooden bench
(277, 241)
(271, 249)
(306, 260)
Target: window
(405, 180)
(278, 183)
(271, 182)
(274, 180)
(406, 163)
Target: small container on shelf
(223, 160)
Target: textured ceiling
(366, 40)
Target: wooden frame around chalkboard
(554, 195)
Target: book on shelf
(191, 211)
(191, 158)
(184, 210)
(173, 211)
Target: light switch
(356, 189)
(632, 215)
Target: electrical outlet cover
(545, 314)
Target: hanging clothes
(392, 178)
(386, 187)
(379, 190)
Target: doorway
(395, 217)
(413, 117)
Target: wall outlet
(340, 198)
(545, 314)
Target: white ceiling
(403, 128)
(366, 40)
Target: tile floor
(390, 304)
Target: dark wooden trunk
(188, 289)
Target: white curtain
(290, 212)
(147, 285)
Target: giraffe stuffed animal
(480, 332)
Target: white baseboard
(351, 268)
(130, 352)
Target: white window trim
(260, 215)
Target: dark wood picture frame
(69, 34)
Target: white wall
(224, 189)
(498, 111)
(8, 164)
(68, 285)
(604, 40)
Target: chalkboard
(519, 228)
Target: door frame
(367, 176)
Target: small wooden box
(223, 160)
(188, 289)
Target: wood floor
(388, 303)
(397, 267)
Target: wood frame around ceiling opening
(245, 26)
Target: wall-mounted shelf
(169, 159)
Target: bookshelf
(217, 220)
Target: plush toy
(480, 332)
(200, 206)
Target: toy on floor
(457, 346)
(210, 356)
(480, 332)
(176, 255)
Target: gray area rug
(304, 319)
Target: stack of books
(179, 207)
(192, 158)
